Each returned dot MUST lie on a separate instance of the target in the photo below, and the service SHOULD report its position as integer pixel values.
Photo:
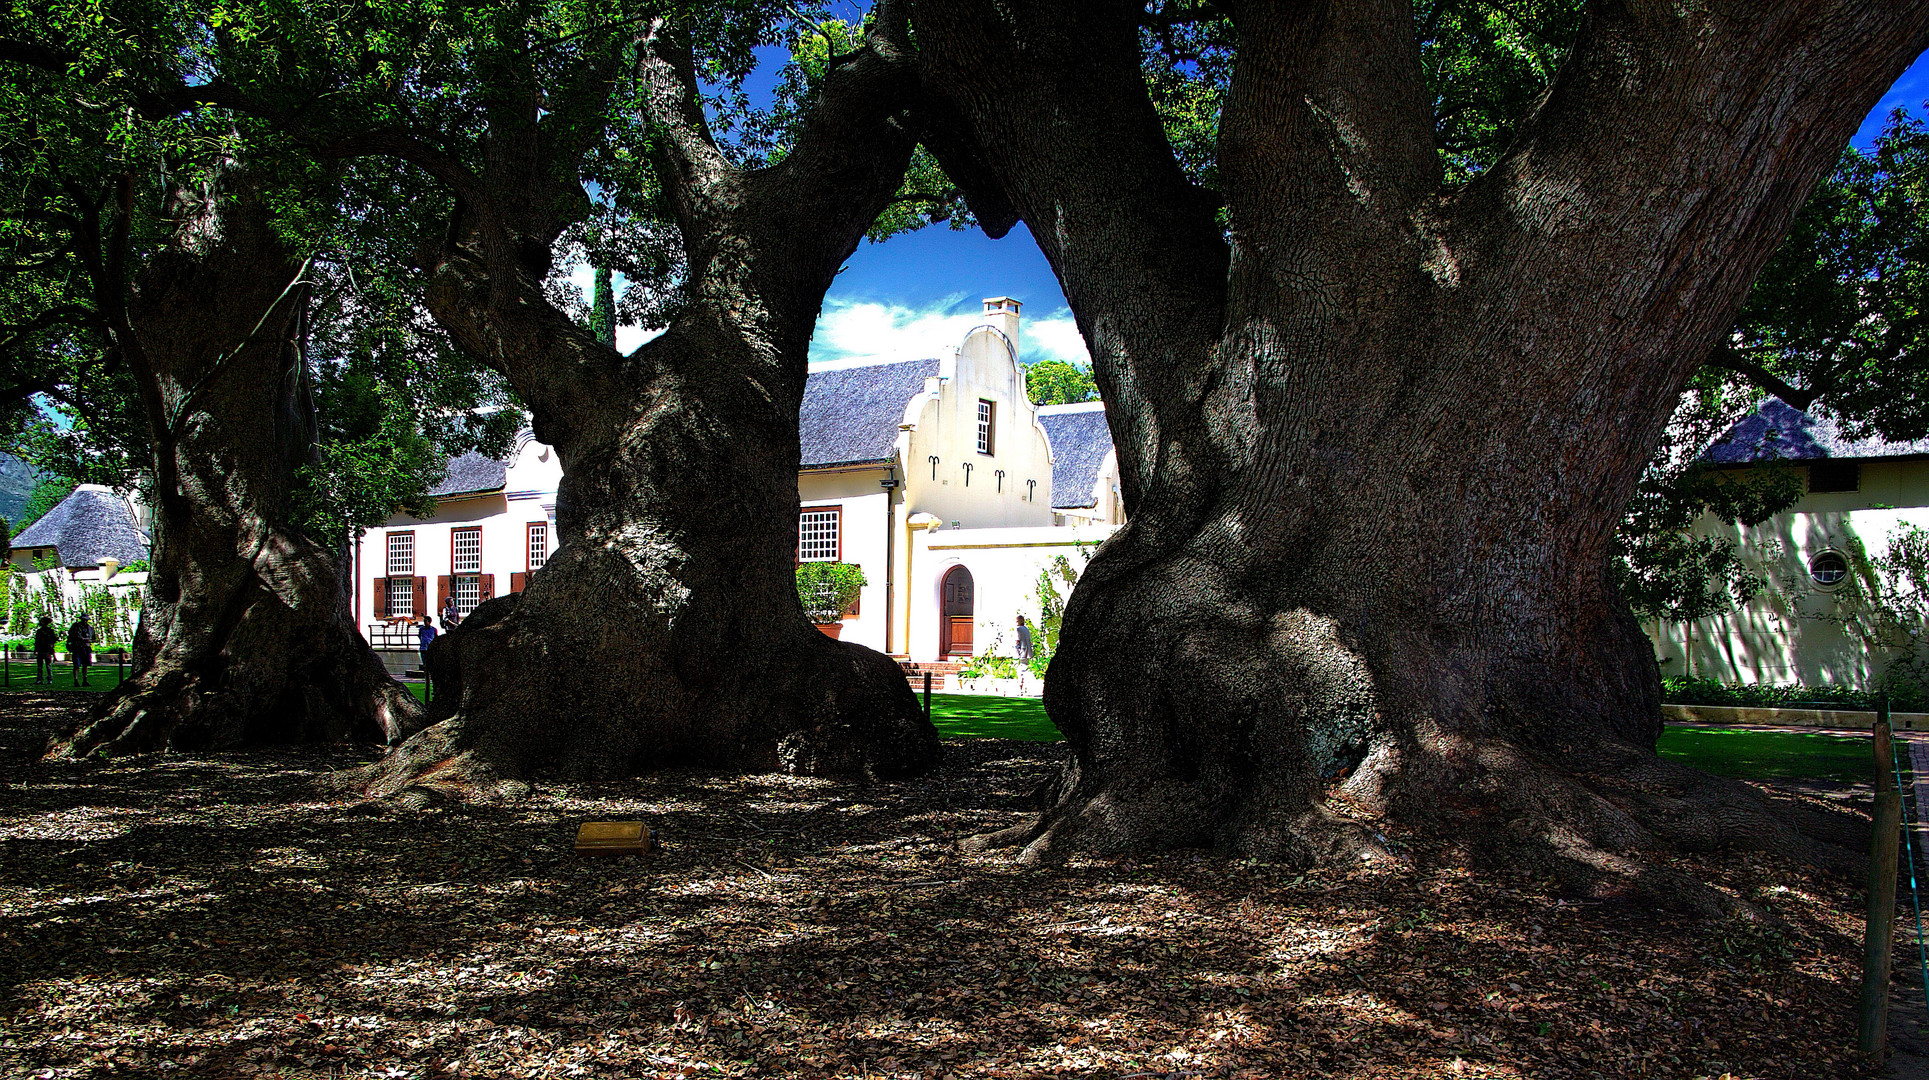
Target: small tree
(1051, 605)
(828, 589)
(1051, 610)
(46, 495)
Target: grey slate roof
(1080, 441)
(472, 474)
(1779, 432)
(850, 416)
(90, 525)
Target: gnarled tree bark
(666, 626)
(1373, 436)
(246, 636)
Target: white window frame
(456, 563)
(405, 608)
(812, 522)
(401, 556)
(538, 534)
(987, 415)
(467, 590)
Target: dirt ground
(216, 916)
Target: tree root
(439, 764)
(1501, 809)
(137, 718)
(505, 713)
(176, 707)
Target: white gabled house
(493, 525)
(1856, 492)
(87, 542)
(937, 477)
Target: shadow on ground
(216, 916)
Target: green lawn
(18, 676)
(1763, 755)
(1726, 751)
(972, 716)
(965, 716)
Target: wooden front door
(955, 617)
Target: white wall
(1768, 642)
(1004, 565)
(943, 422)
(861, 541)
(528, 495)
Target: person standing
(80, 648)
(44, 640)
(425, 635)
(449, 614)
(1024, 641)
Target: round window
(1828, 568)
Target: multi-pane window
(401, 598)
(468, 593)
(984, 426)
(538, 545)
(401, 580)
(468, 551)
(817, 535)
(401, 553)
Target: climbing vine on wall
(115, 612)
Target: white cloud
(855, 331)
(866, 330)
(629, 337)
(1055, 337)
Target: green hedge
(1680, 690)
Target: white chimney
(1002, 312)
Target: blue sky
(916, 294)
(1908, 92)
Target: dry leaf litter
(215, 916)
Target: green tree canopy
(1840, 316)
(1058, 382)
(108, 144)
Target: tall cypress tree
(602, 308)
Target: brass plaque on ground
(613, 838)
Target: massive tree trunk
(246, 636)
(1374, 436)
(666, 626)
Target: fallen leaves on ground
(215, 916)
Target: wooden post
(1872, 1034)
(927, 697)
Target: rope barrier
(1913, 818)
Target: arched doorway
(954, 613)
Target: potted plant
(827, 589)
